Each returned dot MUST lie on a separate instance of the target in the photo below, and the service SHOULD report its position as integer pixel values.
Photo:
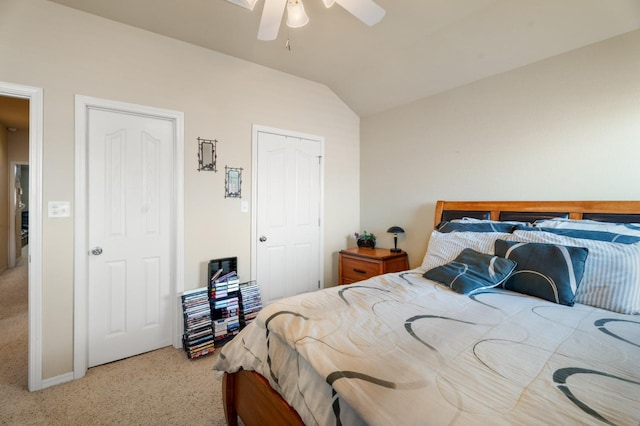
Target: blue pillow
(446, 227)
(591, 225)
(548, 271)
(471, 271)
(588, 234)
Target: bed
(447, 344)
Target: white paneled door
(130, 170)
(288, 213)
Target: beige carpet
(162, 387)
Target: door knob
(96, 251)
(263, 239)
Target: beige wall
(4, 197)
(19, 145)
(561, 129)
(67, 52)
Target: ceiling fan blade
(271, 19)
(367, 11)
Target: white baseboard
(57, 380)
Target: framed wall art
(233, 182)
(207, 155)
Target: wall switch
(59, 209)
(244, 206)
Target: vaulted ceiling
(421, 47)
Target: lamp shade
(395, 230)
(296, 16)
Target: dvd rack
(250, 302)
(198, 337)
(227, 264)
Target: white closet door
(130, 168)
(288, 215)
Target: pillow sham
(548, 271)
(467, 226)
(612, 272)
(471, 271)
(588, 234)
(443, 247)
(591, 225)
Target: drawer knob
(359, 271)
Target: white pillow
(611, 277)
(591, 225)
(444, 247)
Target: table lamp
(395, 230)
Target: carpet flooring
(162, 387)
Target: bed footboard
(247, 394)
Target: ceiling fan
(367, 11)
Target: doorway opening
(14, 281)
(21, 150)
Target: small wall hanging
(233, 182)
(207, 155)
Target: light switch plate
(244, 207)
(59, 209)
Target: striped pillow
(611, 275)
(443, 248)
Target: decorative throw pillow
(548, 271)
(443, 248)
(612, 274)
(467, 226)
(471, 271)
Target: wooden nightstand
(357, 264)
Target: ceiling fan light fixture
(367, 11)
(296, 16)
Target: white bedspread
(398, 349)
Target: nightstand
(357, 264)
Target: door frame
(35, 97)
(256, 129)
(81, 259)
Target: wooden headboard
(530, 211)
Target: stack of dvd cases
(223, 299)
(198, 337)
(250, 302)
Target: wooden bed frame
(247, 394)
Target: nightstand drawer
(357, 264)
(358, 269)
